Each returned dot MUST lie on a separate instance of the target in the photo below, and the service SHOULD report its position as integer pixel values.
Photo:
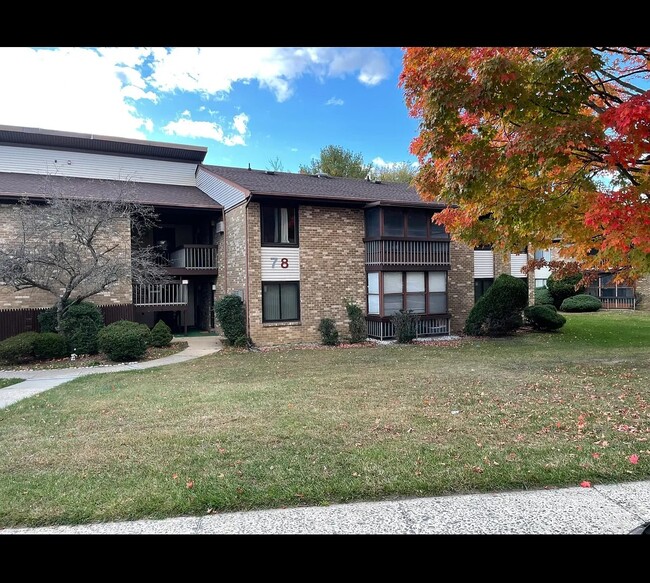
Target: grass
(242, 430)
(89, 360)
(8, 382)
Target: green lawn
(8, 382)
(242, 430)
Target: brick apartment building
(294, 247)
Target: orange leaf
(634, 459)
(190, 484)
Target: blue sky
(247, 105)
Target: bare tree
(275, 164)
(68, 242)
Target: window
(280, 301)
(481, 285)
(393, 222)
(437, 292)
(416, 223)
(540, 282)
(372, 222)
(373, 293)
(419, 291)
(398, 223)
(393, 292)
(543, 254)
(279, 225)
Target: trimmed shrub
(138, 327)
(81, 334)
(18, 349)
(406, 326)
(544, 317)
(161, 334)
(328, 332)
(47, 319)
(581, 303)
(229, 310)
(498, 312)
(543, 297)
(564, 288)
(358, 330)
(49, 345)
(123, 340)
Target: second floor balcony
(407, 253)
(194, 257)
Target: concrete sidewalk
(37, 381)
(610, 509)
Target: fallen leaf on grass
(189, 484)
(595, 455)
(634, 459)
(585, 484)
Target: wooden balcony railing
(427, 326)
(166, 294)
(194, 257)
(424, 253)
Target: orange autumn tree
(533, 144)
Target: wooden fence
(16, 321)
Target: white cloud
(103, 90)
(240, 121)
(188, 128)
(334, 101)
(379, 162)
(73, 89)
(213, 70)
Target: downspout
(246, 286)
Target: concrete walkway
(37, 381)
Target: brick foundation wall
(332, 269)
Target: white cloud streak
(100, 90)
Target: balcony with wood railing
(194, 257)
(164, 294)
(407, 253)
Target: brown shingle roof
(169, 195)
(263, 182)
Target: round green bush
(564, 288)
(328, 332)
(544, 317)
(138, 327)
(49, 345)
(499, 311)
(581, 303)
(18, 349)
(123, 340)
(161, 334)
